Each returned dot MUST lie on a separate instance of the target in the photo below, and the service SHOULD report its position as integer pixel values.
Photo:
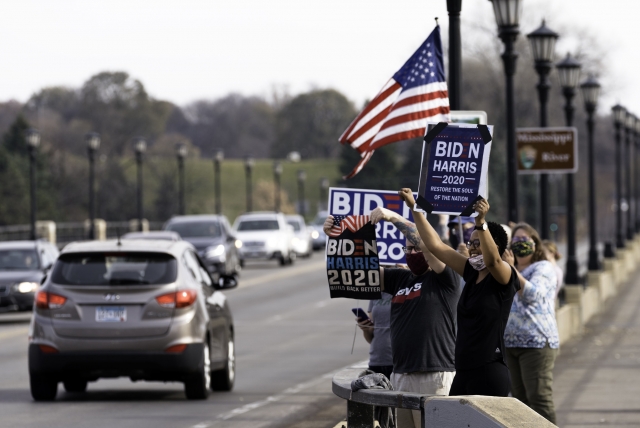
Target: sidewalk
(597, 375)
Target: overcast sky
(189, 49)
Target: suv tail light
(46, 300)
(178, 299)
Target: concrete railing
(437, 411)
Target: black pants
(385, 370)
(491, 379)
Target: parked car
(214, 240)
(265, 236)
(139, 309)
(302, 244)
(23, 264)
(318, 235)
(153, 234)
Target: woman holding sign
(485, 303)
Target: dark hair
(538, 253)
(499, 236)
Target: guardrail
(437, 411)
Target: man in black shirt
(423, 314)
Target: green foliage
(311, 124)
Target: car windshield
(295, 224)
(246, 225)
(196, 229)
(114, 269)
(19, 259)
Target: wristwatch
(483, 227)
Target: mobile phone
(360, 314)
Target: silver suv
(147, 310)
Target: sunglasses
(410, 249)
(473, 244)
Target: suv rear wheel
(196, 386)
(43, 388)
(223, 380)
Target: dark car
(23, 265)
(214, 240)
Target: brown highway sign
(547, 150)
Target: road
(290, 338)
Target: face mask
(477, 262)
(417, 263)
(523, 248)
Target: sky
(187, 50)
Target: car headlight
(27, 287)
(295, 241)
(238, 243)
(216, 251)
(315, 234)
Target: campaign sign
(353, 267)
(455, 162)
(344, 202)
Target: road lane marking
(281, 275)
(14, 333)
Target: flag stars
(432, 74)
(428, 53)
(430, 64)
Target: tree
(311, 124)
(381, 173)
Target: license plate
(111, 314)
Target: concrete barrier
(46, 229)
(436, 411)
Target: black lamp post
(507, 13)
(93, 144)
(181, 153)
(33, 142)
(543, 42)
(619, 116)
(302, 176)
(324, 187)
(277, 173)
(630, 124)
(140, 146)
(217, 161)
(637, 174)
(454, 7)
(590, 92)
(569, 72)
(248, 167)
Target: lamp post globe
(569, 73)
(248, 167)
(140, 147)
(92, 140)
(590, 89)
(619, 116)
(181, 154)
(32, 137)
(543, 42)
(507, 14)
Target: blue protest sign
(346, 202)
(455, 163)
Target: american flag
(351, 222)
(415, 95)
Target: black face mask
(417, 263)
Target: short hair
(499, 236)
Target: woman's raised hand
(328, 223)
(407, 196)
(482, 208)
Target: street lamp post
(630, 123)
(543, 41)
(324, 187)
(93, 144)
(590, 92)
(217, 161)
(569, 72)
(454, 7)
(181, 153)
(277, 173)
(33, 142)
(507, 14)
(637, 173)
(140, 146)
(302, 176)
(248, 167)
(619, 115)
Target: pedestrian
(483, 308)
(376, 331)
(423, 313)
(554, 255)
(457, 242)
(531, 336)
